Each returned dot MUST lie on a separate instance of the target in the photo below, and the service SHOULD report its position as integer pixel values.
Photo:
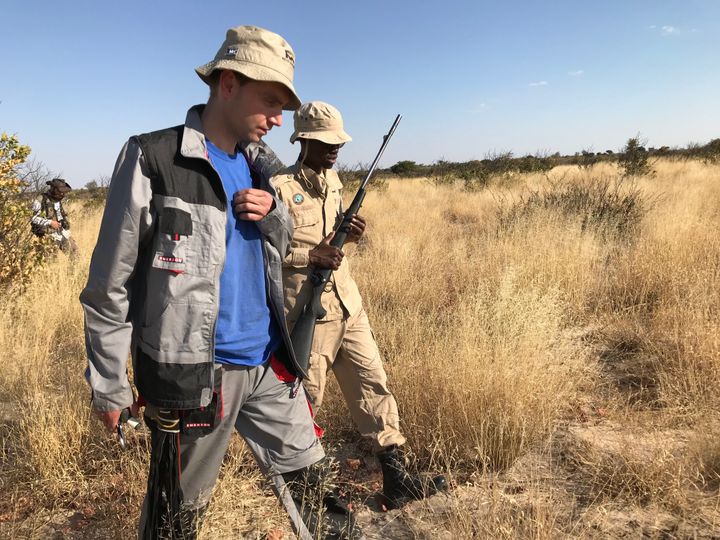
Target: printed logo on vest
(298, 198)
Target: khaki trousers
(348, 348)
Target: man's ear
(226, 83)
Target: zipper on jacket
(217, 281)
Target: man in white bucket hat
(343, 341)
(186, 275)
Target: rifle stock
(304, 329)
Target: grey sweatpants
(276, 426)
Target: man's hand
(55, 225)
(252, 204)
(326, 256)
(110, 419)
(357, 228)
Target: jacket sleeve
(36, 218)
(127, 222)
(263, 159)
(277, 226)
(297, 258)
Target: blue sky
(78, 78)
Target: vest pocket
(183, 243)
(180, 327)
(176, 228)
(176, 222)
(305, 218)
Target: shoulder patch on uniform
(298, 198)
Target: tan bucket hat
(259, 54)
(321, 121)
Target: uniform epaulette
(283, 178)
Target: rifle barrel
(386, 139)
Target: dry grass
(507, 317)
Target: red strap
(319, 432)
(282, 373)
(280, 370)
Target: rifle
(304, 329)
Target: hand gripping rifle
(304, 329)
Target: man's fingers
(109, 418)
(252, 204)
(248, 197)
(250, 216)
(250, 212)
(327, 256)
(258, 196)
(248, 207)
(245, 216)
(334, 263)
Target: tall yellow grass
(493, 337)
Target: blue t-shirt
(246, 332)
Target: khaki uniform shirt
(315, 205)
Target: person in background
(49, 217)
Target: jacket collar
(193, 143)
(193, 139)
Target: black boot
(401, 487)
(323, 512)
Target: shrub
(634, 158)
(711, 152)
(602, 205)
(441, 173)
(352, 177)
(534, 164)
(20, 250)
(405, 168)
(96, 192)
(474, 175)
(588, 159)
(499, 163)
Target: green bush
(634, 159)
(405, 168)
